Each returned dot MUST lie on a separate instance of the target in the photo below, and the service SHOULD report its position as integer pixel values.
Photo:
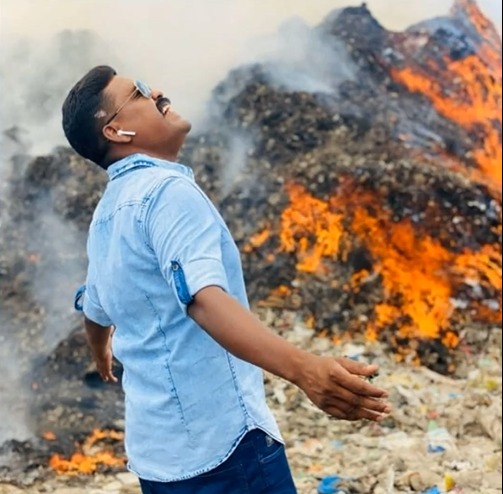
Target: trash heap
(372, 203)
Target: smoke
(236, 157)
(299, 59)
(184, 47)
(58, 274)
(35, 76)
(13, 392)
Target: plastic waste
(432, 490)
(449, 482)
(439, 440)
(331, 485)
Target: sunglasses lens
(145, 91)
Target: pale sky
(197, 18)
(184, 47)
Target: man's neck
(113, 158)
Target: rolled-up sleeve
(91, 305)
(185, 233)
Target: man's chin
(186, 126)
(186, 122)
(180, 123)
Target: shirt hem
(206, 469)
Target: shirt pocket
(182, 290)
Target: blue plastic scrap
(330, 485)
(432, 490)
(435, 449)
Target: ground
(443, 431)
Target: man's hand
(103, 363)
(338, 387)
(99, 340)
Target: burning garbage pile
(375, 205)
(92, 456)
(363, 188)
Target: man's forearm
(244, 335)
(98, 337)
(335, 385)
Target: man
(165, 290)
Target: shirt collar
(138, 160)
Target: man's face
(157, 127)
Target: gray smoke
(303, 60)
(14, 394)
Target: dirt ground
(443, 433)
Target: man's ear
(113, 134)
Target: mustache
(162, 102)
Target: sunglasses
(139, 88)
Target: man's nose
(156, 94)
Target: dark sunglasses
(139, 88)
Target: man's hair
(84, 111)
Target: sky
(183, 47)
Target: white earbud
(126, 133)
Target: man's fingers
(339, 410)
(104, 365)
(347, 401)
(108, 376)
(356, 385)
(111, 378)
(358, 368)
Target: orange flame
(467, 91)
(91, 457)
(311, 229)
(257, 240)
(419, 276)
(49, 436)
(423, 282)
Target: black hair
(84, 111)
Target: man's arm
(334, 385)
(99, 340)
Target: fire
(49, 436)
(257, 240)
(311, 230)
(92, 455)
(420, 278)
(421, 284)
(466, 90)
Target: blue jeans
(257, 466)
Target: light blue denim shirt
(155, 240)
